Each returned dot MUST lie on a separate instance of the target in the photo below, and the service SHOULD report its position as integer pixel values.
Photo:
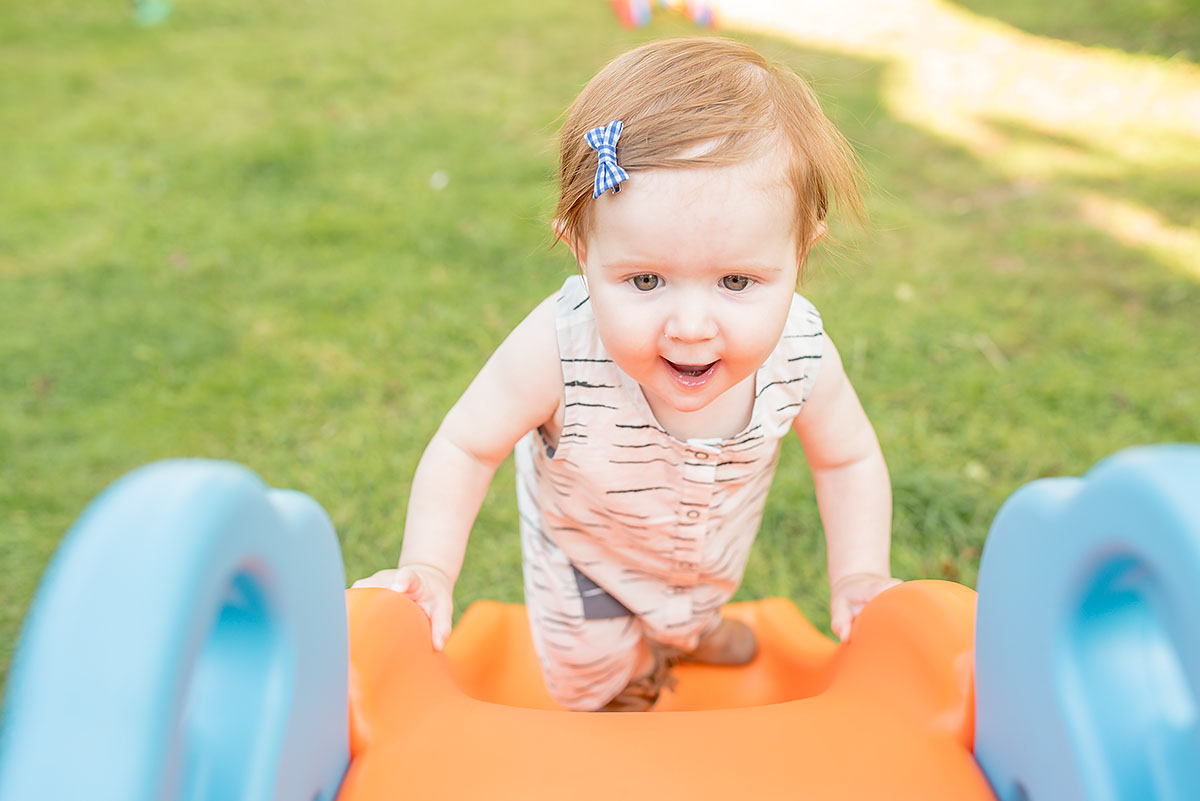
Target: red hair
(706, 102)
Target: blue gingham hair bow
(609, 174)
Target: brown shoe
(642, 693)
(732, 642)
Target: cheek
(625, 332)
(753, 333)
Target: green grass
(218, 238)
(1169, 28)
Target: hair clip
(609, 174)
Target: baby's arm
(854, 493)
(518, 389)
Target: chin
(686, 402)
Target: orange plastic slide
(888, 715)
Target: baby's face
(691, 274)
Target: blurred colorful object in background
(147, 13)
(636, 13)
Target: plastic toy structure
(192, 640)
(636, 13)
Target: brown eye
(735, 283)
(644, 282)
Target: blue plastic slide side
(187, 642)
(1088, 634)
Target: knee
(590, 671)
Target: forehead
(741, 211)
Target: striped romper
(627, 532)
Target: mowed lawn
(288, 234)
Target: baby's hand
(430, 588)
(850, 594)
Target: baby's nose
(691, 321)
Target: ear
(578, 249)
(820, 231)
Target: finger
(441, 627)
(839, 622)
(428, 608)
(437, 633)
(377, 579)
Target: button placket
(699, 473)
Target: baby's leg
(589, 644)
(587, 664)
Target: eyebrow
(737, 269)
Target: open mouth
(691, 375)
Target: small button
(693, 514)
(701, 455)
(678, 590)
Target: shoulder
(533, 344)
(802, 343)
(833, 427)
(519, 388)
